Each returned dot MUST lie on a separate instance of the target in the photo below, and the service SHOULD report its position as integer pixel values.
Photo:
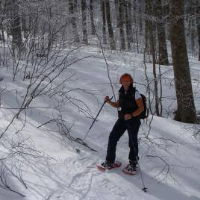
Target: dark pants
(132, 126)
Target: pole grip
(109, 99)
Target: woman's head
(126, 80)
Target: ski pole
(95, 118)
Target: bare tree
(128, 21)
(73, 20)
(15, 24)
(92, 17)
(84, 21)
(117, 11)
(162, 45)
(3, 16)
(121, 25)
(198, 25)
(109, 25)
(186, 111)
(151, 44)
(103, 11)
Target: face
(126, 83)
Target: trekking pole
(81, 141)
(141, 175)
(140, 171)
(95, 118)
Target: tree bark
(162, 45)
(151, 43)
(128, 17)
(73, 20)
(148, 24)
(25, 26)
(104, 21)
(2, 11)
(140, 4)
(121, 25)
(92, 17)
(117, 11)
(186, 111)
(198, 25)
(84, 21)
(109, 24)
(15, 24)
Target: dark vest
(127, 103)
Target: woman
(129, 106)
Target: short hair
(125, 76)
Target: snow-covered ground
(52, 168)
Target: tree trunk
(73, 20)
(198, 25)
(153, 53)
(92, 17)
(104, 21)
(129, 32)
(140, 4)
(192, 35)
(15, 25)
(186, 111)
(148, 28)
(162, 45)
(136, 24)
(75, 6)
(150, 42)
(117, 12)
(84, 21)
(121, 25)
(109, 24)
(2, 37)
(25, 26)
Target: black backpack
(145, 112)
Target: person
(129, 105)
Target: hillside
(52, 167)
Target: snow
(169, 153)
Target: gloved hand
(107, 98)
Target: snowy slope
(169, 154)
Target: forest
(59, 58)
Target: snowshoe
(108, 165)
(131, 169)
